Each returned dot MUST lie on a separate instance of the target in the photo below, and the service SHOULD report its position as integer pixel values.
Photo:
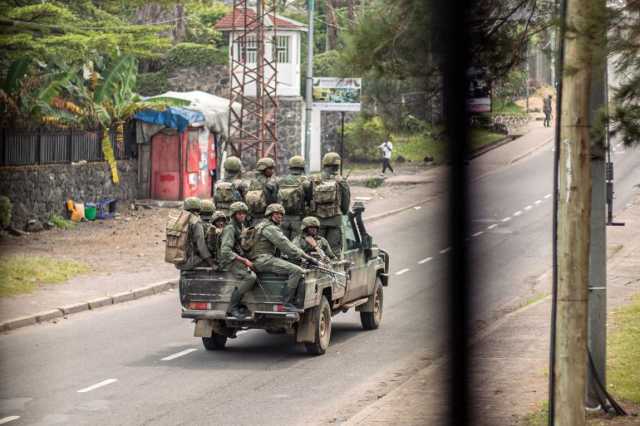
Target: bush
(193, 54)
(5, 211)
(60, 222)
(152, 83)
(363, 136)
(326, 64)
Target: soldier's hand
(248, 264)
(312, 260)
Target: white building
(286, 49)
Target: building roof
(282, 23)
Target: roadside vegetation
(60, 222)
(24, 274)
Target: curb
(379, 216)
(531, 151)
(64, 311)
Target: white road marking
(538, 202)
(8, 419)
(179, 354)
(547, 196)
(477, 234)
(417, 207)
(518, 213)
(402, 271)
(529, 207)
(98, 385)
(492, 226)
(425, 260)
(506, 219)
(443, 251)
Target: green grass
(539, 417)
(623, 374)
(506, 107)
(60, 222)
(483, 137)
(415, 147)
(22, 274)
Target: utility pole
(309, 88)
(573, 219)
(597, 331)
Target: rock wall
(331, 123)
(37, 192)
(211, 79)
(290, 129)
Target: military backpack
(256, 199)
(327, 199)
(249, 236)
(226, 193)
(292, 195)
(177, 232)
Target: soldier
(269, 239)
(232, 258)
(214, 234)
(331, 200)
(198, 253)
(231, 188)
(263, 189)
(206, 210)
(311, 242)
(295, 193)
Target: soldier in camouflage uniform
(295, 193)
(230, 189)
(263, 190)
(331, 200)
(214, 234)
(206, 210)
(198, 254)
(232, 258)
(311, 242)
(270, 240)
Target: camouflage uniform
(321, 248)
(206, 210)
(214, 235)
(231, 188)
(198, 254)
(230, 249)
(268, 186)
(270, 240)
(295, 194)
(331, 225)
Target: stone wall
(290, 128)
(211, 79)
(331, 123)
(37, 192)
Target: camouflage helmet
(232, 164)
(310, 222)
(192, 204)
(217, 215)
(273, 208)
(265, 163)
(207, 207)
(331, 159)
(238, 206)
(296, 162)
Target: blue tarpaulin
(172, 117)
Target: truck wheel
(322, 323)
(216, 342)
(372, 320)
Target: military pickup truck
(358, 282)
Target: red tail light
(279, 308)
(200, 306)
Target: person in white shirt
(386, 148)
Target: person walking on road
(386, 147)
(546, 108)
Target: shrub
(152, 83)
(5, 211)
(60, 222)
(363, 136)
(193, 54)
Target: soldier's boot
(287, 300)
(235, 309)
(300, 295)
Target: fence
(46, 146)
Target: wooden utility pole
(574, 204)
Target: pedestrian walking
(546, 108)
(386, 148)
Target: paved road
(136, 363)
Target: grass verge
(483, 137)
(539, 417)
(623, 354)
(60, 222)
(21, 274)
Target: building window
(281, 53)
(247, 49)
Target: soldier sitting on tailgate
(198, 254)
(311, 242)
(263, 190)
(206, 210)
(230, 189)
(214, 234)
(295, 193)
(267, 240)
(232, 258)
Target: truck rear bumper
(256, 316)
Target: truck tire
(216, 342)
(372, 320)
(322, 324)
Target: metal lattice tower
(252, 127)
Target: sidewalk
(510, 359)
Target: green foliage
(327, 64)
(202, 19)
(152, 83)
(374, 182)
(60, 222)
(511, 87)
(622, 351)
(5, 211)
(418, 146)
(193, 54)
(506, 106)
(23, 274)
(363, 136)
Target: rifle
(327, 270)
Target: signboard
(479, 91)
(337, 94)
